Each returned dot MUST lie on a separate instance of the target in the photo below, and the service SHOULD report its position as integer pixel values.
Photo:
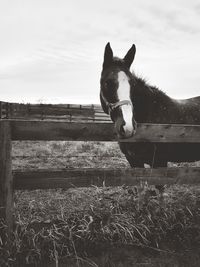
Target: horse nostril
(122, 131)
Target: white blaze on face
(124, 94)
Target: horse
(129, 100)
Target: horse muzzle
(125, 131)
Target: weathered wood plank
(6, 182)
(53, 111)
(51, 117)
(52, 130)
(1, 109)
(166, 133)
(7, 110)
(64, 119)
(101, 115)
(17, 110)
(45, 179)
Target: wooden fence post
(6, 179)
(7, 110)
(1, 109)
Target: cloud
(56, 47)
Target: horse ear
(108, 56)
(129, 57)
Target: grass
(54, 225)
(66, 154)
(121, 226)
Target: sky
(51, 51)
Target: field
(66, 154)
(121, 226)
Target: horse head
(116, 82)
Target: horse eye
(110, 84)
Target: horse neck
(150, 104)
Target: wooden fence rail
(66, 112)
(85, 177)
(51, 130)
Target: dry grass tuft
(56, 224)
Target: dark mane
(153, 105)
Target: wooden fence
(87, 131)
(66, 112)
